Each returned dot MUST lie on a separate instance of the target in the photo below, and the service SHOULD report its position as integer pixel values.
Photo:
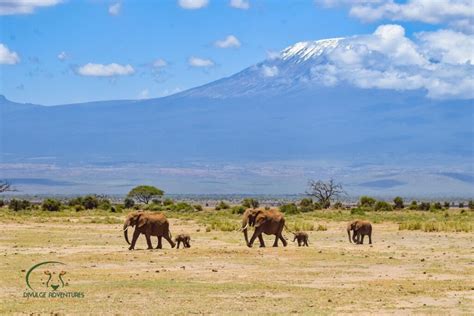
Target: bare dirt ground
(403, 272)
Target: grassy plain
(404, 271)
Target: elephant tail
(289, 229)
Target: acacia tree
(145, 193)
(324, 192)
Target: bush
(75, 201)
(413, 205)
(79, 208)
(51, 205)
(357, 211)
(424, 206)
(2, 203)
(182, 207)
(90, 202)
(198, 207)
(366, 201)
(446, 204)
(398, 201)
(18, 205)
(461, 205)
(168, 202)
(470, 204)
(382, 206)
(128, 203)
(238, 209)
(105, 204)
(338, 205)
(436, 206)
(289, 208)
(156, 201)
(306, 202)
(250, 203)
(222, 206)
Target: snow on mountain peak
(306, 50)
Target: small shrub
(90, 202)
(75, 201)
(18, 205)
(250, 203)
(222, 206)
(461, 205)
(289, 208)
(238, 209)
(306, 202)
(338, 205)
(51, 205)
(366, 201)
(104, 204)
(357, 211)
(79, 208)
(156, 201)
(424, 206)
(128, 203)
(198, 207)
(446, 204)
(322, 228)
(2, 203)
(302, 226)
(398, 202)
(436, 206)
(382, 206)
(168, 202)
(182, 207)
(413, 205)
(470, 204)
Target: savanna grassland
(420, 262)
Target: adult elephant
(270, 222)
(360, 229)
(149, 224)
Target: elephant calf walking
(302, 238)
(183, 238)
(360, 229)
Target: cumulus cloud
(439, 62)
(101, 70)
(240, 4)
(10, 7)
(7, 56)
(458, 13)
(193, 4)
(200, 62)
(114, 9)
(62, 56)
(228, 42)
(270, 71)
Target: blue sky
(75, 51)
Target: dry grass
(404, 272)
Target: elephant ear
(141, 221)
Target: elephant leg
(159, 246)
(148, 241)
(362, 239)
(262, 242)
(275, 243)
(136, 233)
(283, 240)
(306, 242)
(167, 237)
(177, 245)
(370, 239)
(258, 231)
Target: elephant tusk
(245, 227)
(125, 229)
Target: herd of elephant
(265, 221)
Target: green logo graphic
(48, 279)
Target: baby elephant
(302, 238)
(360, 229)
(183, 238)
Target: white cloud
(7, 56)
(144, 94)
(159, 63)
(200, 62)
(240, 4)
(439, 62)
(193, 4)
(101, 70)
(114, 9)
(10, 7)
(62, 56)
(448, 46)
(270, 71)
(458, 13)
(228, 42)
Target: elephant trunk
(349, 234)
(125, 232)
